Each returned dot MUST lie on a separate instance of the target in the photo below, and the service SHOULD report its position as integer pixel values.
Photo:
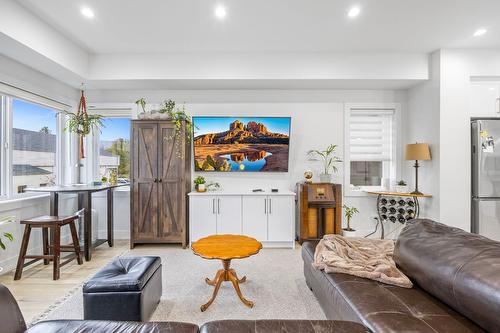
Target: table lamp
(417, 152)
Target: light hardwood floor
(36, 290)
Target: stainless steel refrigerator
(485, 205)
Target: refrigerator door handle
(486, 198)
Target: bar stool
(50, 252)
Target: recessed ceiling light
(354, 12)
(492, 88)
(220, 12)
(87, 12)
(480, 32)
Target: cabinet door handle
(218, 206)
(213, 206)
(270, 206)
(160, 180)
(265, 205)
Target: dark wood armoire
(160, 181)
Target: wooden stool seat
(53, 251)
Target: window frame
(106, 111)
(6, 131)
(395, 163)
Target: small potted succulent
(401, 187)
(199, 184)
(349, 212)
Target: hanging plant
(179, 117)
(82, 123)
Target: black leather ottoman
(126, 289)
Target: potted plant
(349, 212)
(177, 115)
(401, 187)
(329, 159)
(82, 123)
(199, 184)
(4, 236)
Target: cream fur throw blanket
(363, 257)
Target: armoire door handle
(265, 205)
(160, 180)
(155, 180)
(213, 206)
(270, 206)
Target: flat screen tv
(241, 144)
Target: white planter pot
(347, 233)
(401, 189)
(325, 178)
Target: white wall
(317, 120)
(23, 209)
(422, 125)
(457, 69)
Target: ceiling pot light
(220, 12)
(480, 32)
(87, 12)
(354, 12)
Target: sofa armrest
(11, 317)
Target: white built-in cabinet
(267, 217)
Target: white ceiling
(159, 26)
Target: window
(370, 148)
(34, 145)
(114, 149)
(31, 140)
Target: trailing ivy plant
(178, 116)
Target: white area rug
(275, 283)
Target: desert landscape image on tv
(239, 144)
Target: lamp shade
(417, 152)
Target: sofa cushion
(123, 274)
(98, 326)
(459, 268)
(380, 307)
(282, 326)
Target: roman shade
(371, 135)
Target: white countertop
(243, 192)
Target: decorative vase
(348, 233)
(308, 176)
(325, 178)
(200, 188)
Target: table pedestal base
(226, 274)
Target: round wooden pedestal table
(226, 248)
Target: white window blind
(371, 135)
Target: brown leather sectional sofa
(456, 276)
(12, 321)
